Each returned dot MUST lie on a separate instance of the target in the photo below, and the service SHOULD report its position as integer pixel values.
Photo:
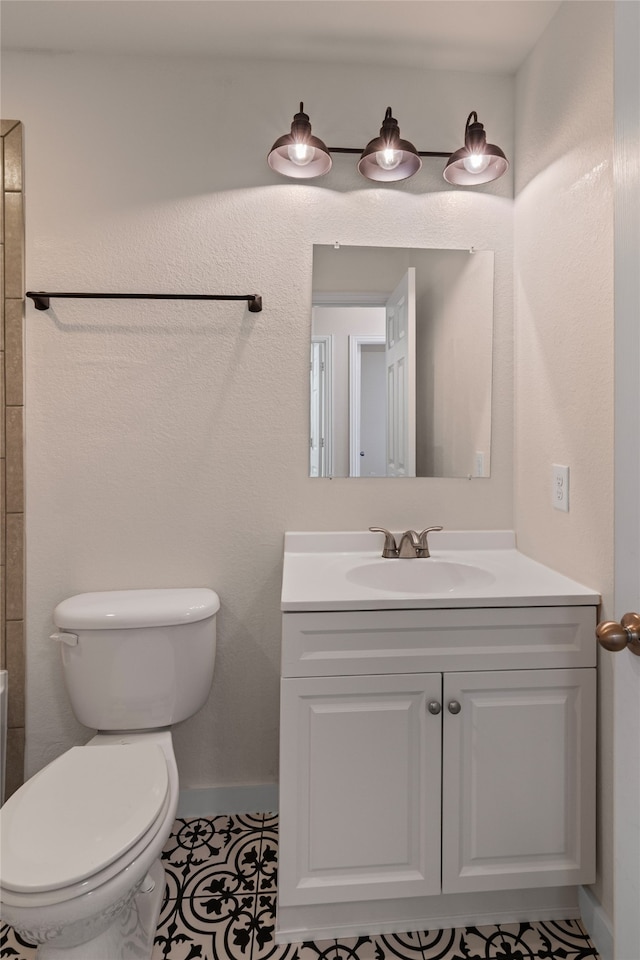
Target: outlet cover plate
(560, 487)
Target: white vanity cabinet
(431, 756)
(359, 788)
(518, 786)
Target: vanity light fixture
(478, 161)
(299, 154)
(387, 158)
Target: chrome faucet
(411, 545)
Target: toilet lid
(79, 814)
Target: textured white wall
(564, 322)
(167, 443)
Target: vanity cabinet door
(360, 781)
(519, 779)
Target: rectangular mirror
(401, 362)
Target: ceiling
(471, 35)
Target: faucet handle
(424, 541)
(390, 549)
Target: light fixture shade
(388, 158)
(299, 154)
(476, 162)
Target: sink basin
(419, 576)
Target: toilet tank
(137, 659)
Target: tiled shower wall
(11, 426)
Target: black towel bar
(41, 298)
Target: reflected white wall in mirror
(401, 362)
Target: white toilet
(80, 873)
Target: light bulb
(301, 153)
(476, 162)
(388, 158)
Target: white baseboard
(596, 922)
(211, 801)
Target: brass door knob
(618, 636)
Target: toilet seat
(80, 814)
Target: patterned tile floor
(220, 904)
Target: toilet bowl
(80, 873)
(72, 867)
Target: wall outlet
(479, 464)
(560, 487)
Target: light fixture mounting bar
(357, 150)
(421, 153)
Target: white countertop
(323, 571)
